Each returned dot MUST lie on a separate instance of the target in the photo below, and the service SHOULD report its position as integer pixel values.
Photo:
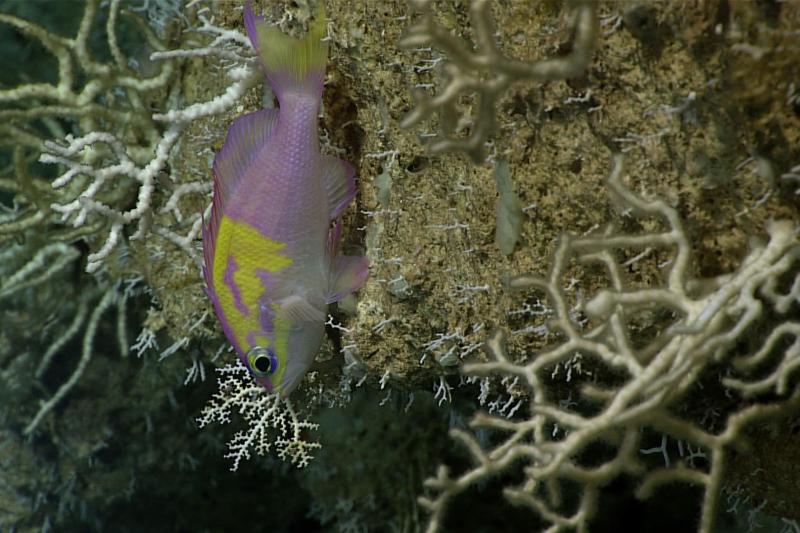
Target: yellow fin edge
(281, 53)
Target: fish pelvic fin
(296, 65)
(346, 274)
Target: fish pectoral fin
(295, 308)
(348, 274)
(340, 184)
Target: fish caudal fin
(289, 63)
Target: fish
(271, 245)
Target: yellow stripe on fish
(241, 252)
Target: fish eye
(262, 361)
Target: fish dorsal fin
(347, 275)
(295, 308)
(246, 136)
(340, 184)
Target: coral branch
(552, 436)
(485, 72)
(271, 421)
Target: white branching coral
(117, 149)
(43, 269)
(109, 298)
(88, 96)
(43, 266)
(144, 175)
(272, 422)
(73, 155)
(709, 319)
(485, 71)
(110, 129)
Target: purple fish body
(271, 253)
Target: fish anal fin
(340, 184)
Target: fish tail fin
(294, 65)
